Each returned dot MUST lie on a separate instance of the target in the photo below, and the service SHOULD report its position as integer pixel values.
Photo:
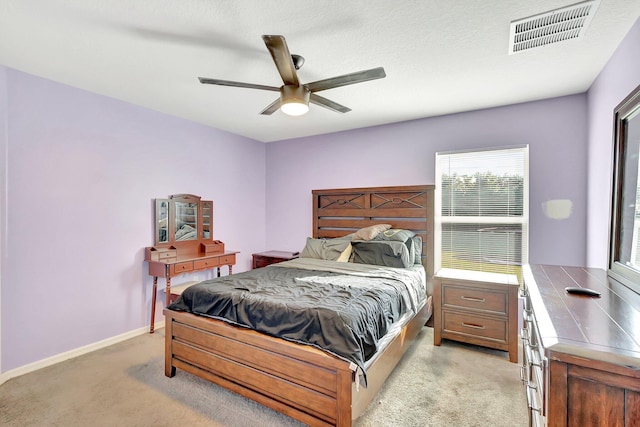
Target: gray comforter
(342, 308)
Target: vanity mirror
(207, 217)
(162, 221)
(183, 218)
(186, 226)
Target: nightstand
(263, 259)
(476, 308)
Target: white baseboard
(31, 367)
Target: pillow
(384, 253)
(369, 233)
(410, 239)
(417, 248)
(327, 249)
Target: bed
(316, 386)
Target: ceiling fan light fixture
(294, 108)
(294, 100)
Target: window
(624, 253)
(482, 210)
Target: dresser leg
(153, 303)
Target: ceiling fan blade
(271, 108)
(327, 103)
(280, 53)
(347, 79)
(219, 82)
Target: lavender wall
(82, 173)
(618, 78)
(3, 188)
(404, 154)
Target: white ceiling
(440, 56)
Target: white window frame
(439, 220)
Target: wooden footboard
(297, 380)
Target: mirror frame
(629, 108)
(159, 203)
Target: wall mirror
(182, 220)
(624, 251)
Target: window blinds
(482, 210)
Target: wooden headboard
(342, 211)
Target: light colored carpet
(124, 385)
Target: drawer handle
(472, 299)
(471, 325)
(540, 364)
(537, 365)
(531, 399)
(523, 377)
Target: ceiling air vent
(551, 27)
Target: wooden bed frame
(297, 380)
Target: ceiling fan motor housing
(294, 100)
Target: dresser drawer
(206, 263)
(228, 259)
(167, 254)
(262, 261)
(477, 326)
(155, 254)
(475, 298)
(182, 267)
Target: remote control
(582, 291)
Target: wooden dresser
(581, 354)
(476, 308)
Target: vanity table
(184, 244)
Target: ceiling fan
(294, 96)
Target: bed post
(169, 370)
(344, 398)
